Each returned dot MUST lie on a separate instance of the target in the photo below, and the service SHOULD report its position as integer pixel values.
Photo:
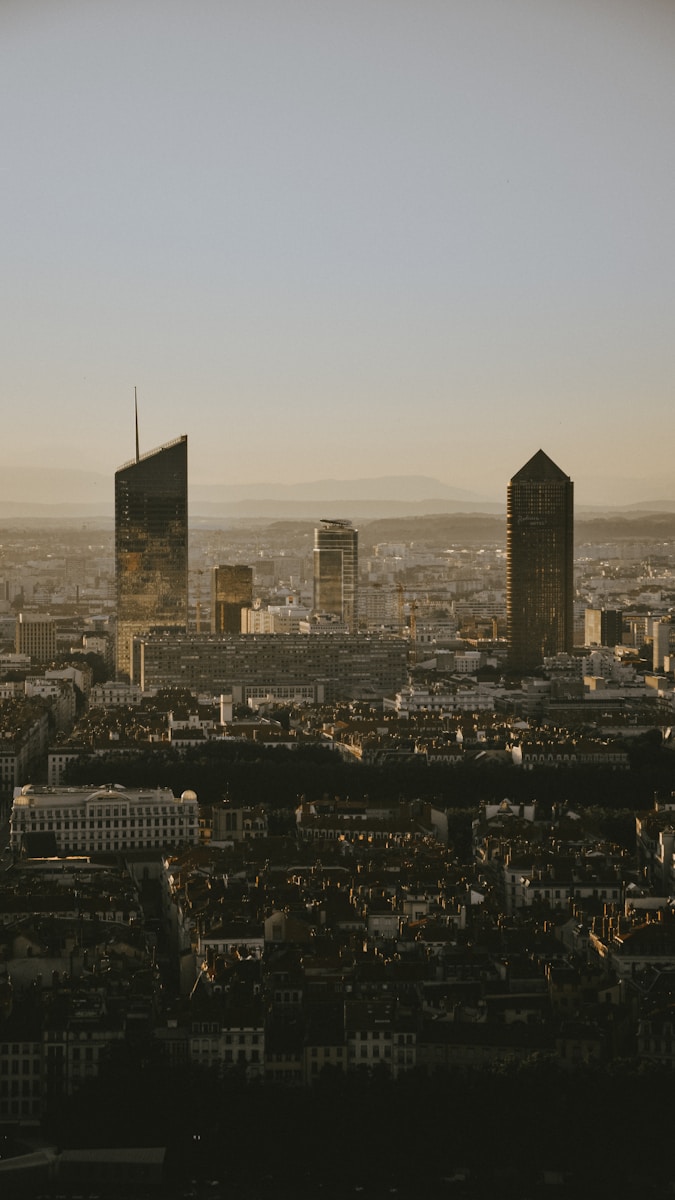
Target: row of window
(15, 1108)
(229, 1056)
(65, 826)
(143, 818)
(29, 1066)
(28, 1087)
(236, 1039)
(386, 1034)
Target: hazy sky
(345, 238)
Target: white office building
(85, 819)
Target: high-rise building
(661, 645)
(36, 635)
(539, 563)
(231, 590)
(151, 545)
(603, 627)
(336, 571)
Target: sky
(341, 239)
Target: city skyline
(449, 229)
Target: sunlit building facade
(231, 590)
(540, 560)
(603, 627)
(336, 571)
(36, 636)
(85, 819)
(151, 545)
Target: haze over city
(342, 242)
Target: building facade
(24, 736)
(336, 571)
(36, 636)
(603, 627)
(151, 545)
(231, 590)
(253, 666)
(539, 566)
(661, 632)
(84, 819)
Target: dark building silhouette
(336, 571)
(539, 562)
(151, 545)
(231, 590)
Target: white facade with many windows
(85, 819)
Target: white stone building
(86, 819)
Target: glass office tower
(231, 590)
(151, 545)
(539, 563)
(336, 571)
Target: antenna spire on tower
(136, 417)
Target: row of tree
(250, 773)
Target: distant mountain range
(384, 487)
(54, 493)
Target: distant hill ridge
(54, 493)
(54, 485)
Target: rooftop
(540, 469)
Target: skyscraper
(336, 571)
(661, 630)
(151, 545)
(539, 562)
(231, 590)
(36, 636)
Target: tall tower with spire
(151, 545)
(539, 563)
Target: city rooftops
(43, 796)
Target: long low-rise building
(336, 666)
(87, 819)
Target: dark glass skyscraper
(539, 563)
(231, 590)
(336, 571)
(151, 545)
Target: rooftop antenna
(136, 416)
